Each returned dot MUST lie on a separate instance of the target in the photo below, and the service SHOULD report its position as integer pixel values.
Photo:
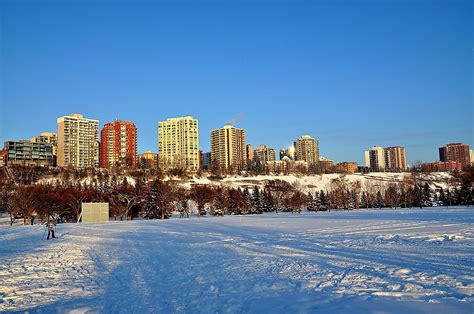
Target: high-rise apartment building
(455, 152)
(307, 149)
(78, 143)
(375, 159)
(395, 158)
(118, 144)
(265, 153)
(178, 143)
(386, 159)
(228, 148)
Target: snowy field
(356, 262)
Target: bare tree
(279, 189)
(202, 195)
(391, 196)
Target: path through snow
(359, 261)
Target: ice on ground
(358, 261)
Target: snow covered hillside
(321, 182)
(353, 261)
(311, 183)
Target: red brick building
(455, 152)
(118, 144)
(3, 157)
(442, 166)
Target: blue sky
(353, 74)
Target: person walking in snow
(50, 225)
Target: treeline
(155, 198)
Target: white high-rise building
(375, 159)
(178, 143)
(78, 143)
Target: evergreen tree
(364, 201)
(311, 203)
(323, 201)
(426, 196)
(464, 194)
(379, 200)
(442, 200)
(257, 202)
(449, 198)
(217, 206)
(268, 202)
(351, 201)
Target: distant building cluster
(76, 144)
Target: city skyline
(291, 146)
(331, 71)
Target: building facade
(3, 157)
(147, 160)
(51, 138)
(78, 141)
(250, 153)
(206, 160)
(442, 166)
(178, 143)
(265, 153)
(395, 158)
(28, 153)
(375, 159)
(307, 149)
(287, 152)
(326, 165)
(229, 148)
(346, 167)
(455, 152)
(118, 145)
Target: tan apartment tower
(265, 153)
(307, 149)
(395, 158)
(78, 144)
(229, 149)
(178, 143)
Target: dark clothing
(50, 226)
(50, 232)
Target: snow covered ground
(358, 262)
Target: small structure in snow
(95, 212)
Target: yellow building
(78, 141)
(229, 149)
(307, 149)
(346, 167)
(250, 153)
(147, 160)
(178, 143)
(265, 153)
